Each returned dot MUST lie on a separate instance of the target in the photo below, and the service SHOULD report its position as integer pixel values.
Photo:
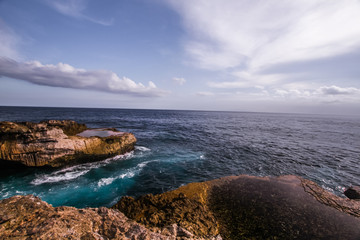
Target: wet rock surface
(55, 143)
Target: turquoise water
(178, 147)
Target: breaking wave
(74, 172)
(128, 174)
(142, 148)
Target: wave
(142, 148)
(58, 177)
(129, 174)
(105, 181)
(74, 172)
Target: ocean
(178, 147)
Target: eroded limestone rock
(27, 217)
(247, 207)
(55, 143)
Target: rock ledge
(55, 143)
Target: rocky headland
(56, 143)
(237, 207)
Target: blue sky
(273, 56)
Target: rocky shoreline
(236, 207)
(56, 143)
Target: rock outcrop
(27, 217)
(238, 207)
(160, 211)
(246, 207)
(56, 143)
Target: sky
(298, 56)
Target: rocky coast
(236, 207)
(56, 143)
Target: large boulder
(57, 143)
(247, 207)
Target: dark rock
(55, 143)
(353, 192)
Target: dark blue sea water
(178, 147)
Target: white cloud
(65, 75)
(9, 42)
(75, 8)
(246, 37)
(321, 93)
(334, 90)
(180, 81)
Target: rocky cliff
(238, 207)
(56, 143)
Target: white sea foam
(131, 172)
(143, 164)
(5, 195)
(105, 181)
(142, 148)
(50, 178)
(328, 188)
(341, 188)
(74, 172)
(128, 175)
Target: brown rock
(27, 217)
(189, 215)
(241, 207)
(55, 143)
(246, 207)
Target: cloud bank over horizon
(234, 55)
(67, 76)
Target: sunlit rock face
(27, 217)
(56, 143)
